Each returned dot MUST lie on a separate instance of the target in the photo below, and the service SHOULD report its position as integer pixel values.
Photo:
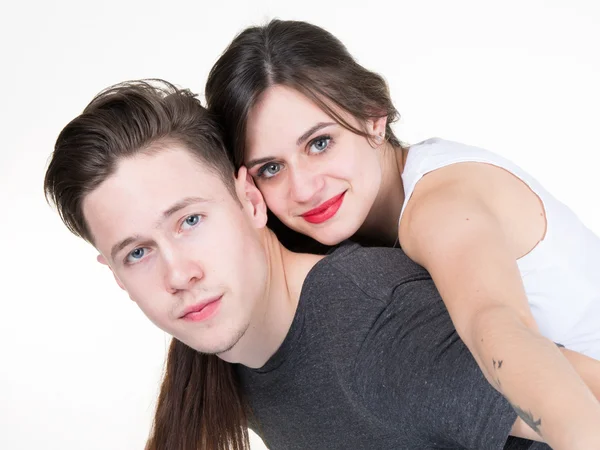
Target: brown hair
(120, 122)
(200, 406)
(303, 57)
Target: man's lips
(323, 206)
(201, 310)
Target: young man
(342, 351)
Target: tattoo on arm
(498, 365)
(527, 417)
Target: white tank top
(561, 274)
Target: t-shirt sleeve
(432, 383)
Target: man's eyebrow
(183, 203)
(254, 162)
(121, 245)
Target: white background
(79, 364)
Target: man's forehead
(143, 188)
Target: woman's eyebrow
(308, 133)
(253, 162)
(312, 130)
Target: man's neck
(274, 312)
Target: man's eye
(135, 255)
(191, 221)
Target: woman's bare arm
(463, 245)
(589, 371)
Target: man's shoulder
(379, 262)
(375, 271)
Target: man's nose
(182, 272)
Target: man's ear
(102, 260)
(250, 197)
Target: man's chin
(229, 355)
(224, 348)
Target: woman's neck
(381, 225)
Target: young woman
(517, 270)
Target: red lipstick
(325, 210)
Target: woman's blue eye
(191, 221)
(320, 144)
(269, 170)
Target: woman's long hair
(200, 405)
(308, 59)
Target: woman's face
(317, 177)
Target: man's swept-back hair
(120, 122)
(200, 405)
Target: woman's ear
(376, 128)
(251, 198)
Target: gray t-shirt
(372, 361)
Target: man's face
(186, 251)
